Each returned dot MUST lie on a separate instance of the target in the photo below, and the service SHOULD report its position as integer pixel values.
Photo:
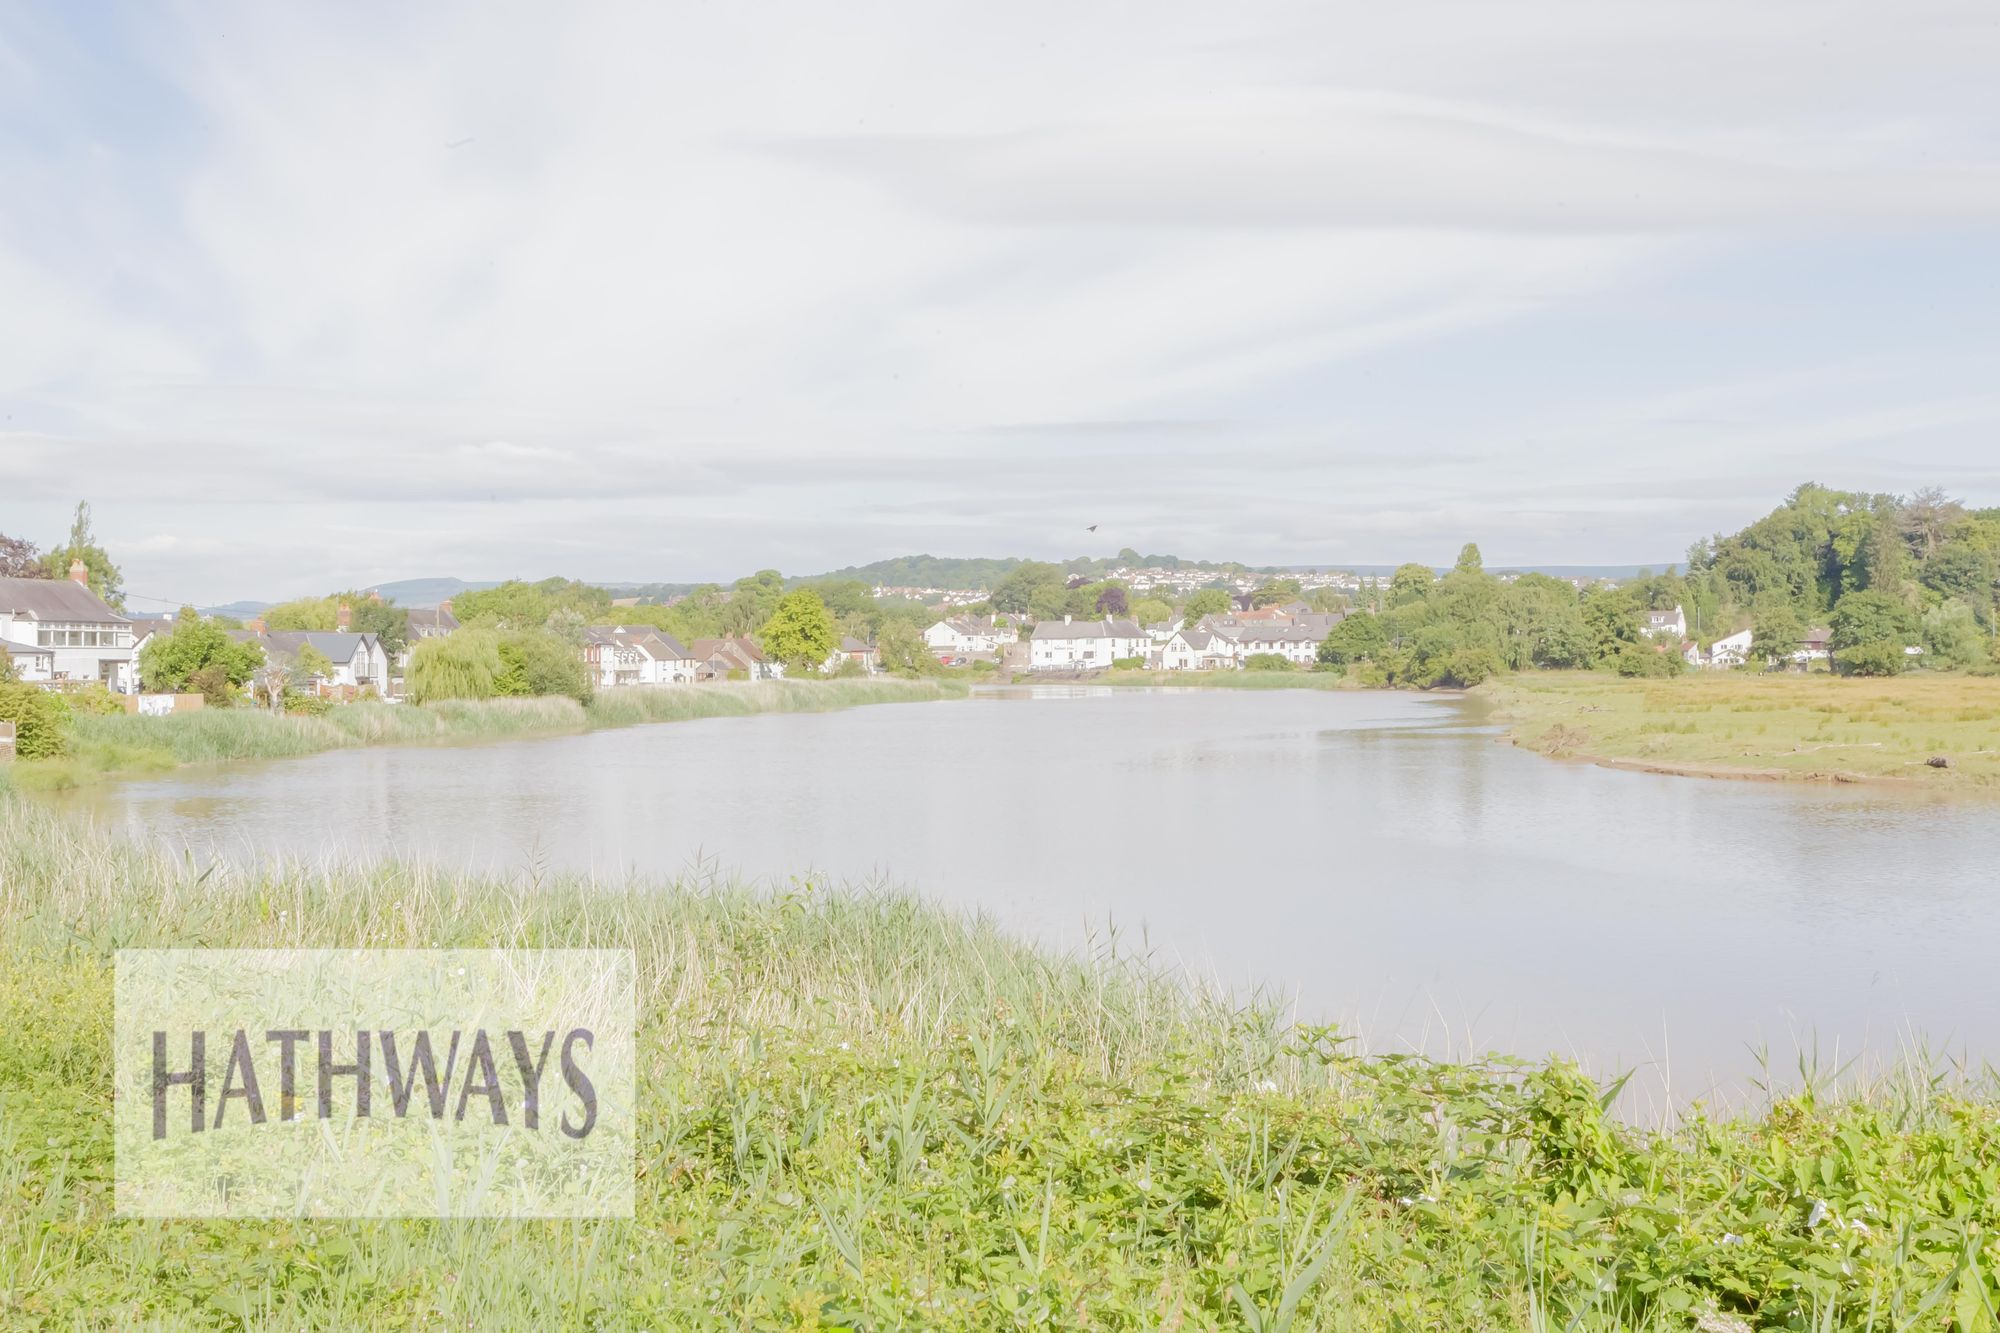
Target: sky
(310, 297)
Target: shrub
(93, 700)
(1264, 662)
(1883, 657)
(214, 685)
(1128, 663)
(41, 720)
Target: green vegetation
(366, 614)
(861, 1112)
(800, 633)
(197, 655)
(103, 576)
(1734, 724)
(93, 747)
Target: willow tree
(459, 665)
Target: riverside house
(715, 659)
(57, 631)
(1084, 645)
(359, 662)
(972, 636)
(637, 655)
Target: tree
(1111, 601)
(1469, 559)
(1206, 602)
(1152, 611)
(1355, 639)
(902, 648)
(1777, 633)
(41, 720)
(458, 665)
(103, 576)
(312, 664)
(1016, 592)
(800, 633)
(1926, 517)
(1951, 636)
(1870, 630)
(18, 559)
(537, 662)
(1274, 591)
(1410, 583)
(168, 662)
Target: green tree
(460, 665)
(1274, 591)
(168, 662)
(1870, 630)
(1355, 639)
(1016, 592)
(902, 648)
(800, 633)
(1152, 611)
(1410, 583)
(1469, 559)
(1206, 602)
(311, 663)
(538, 662)
(41, 720)
(104, 577)
(1951, 636)
(1776, 633)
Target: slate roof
(54, 600)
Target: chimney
(445, 606)
(342, 617)
(254, 624)
(79, 573)
(375, 597)
(1065, 618)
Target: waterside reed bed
(861, 1112)
(124, 743)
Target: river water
(1377, 859)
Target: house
(1665, 624)
(431, 622)
(58, 631)
(1815, 647)
(968, 636)
(637, 655)
(852, 649)
(1194, 649)
(1731, 650)
(1241, 639)
(359, 662)
(716, 658)
(1084, 645)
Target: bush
(1265, 662)
(1884, 657)
(298, 703)
(93, 700)
(1128, 663)
(535, 662)
(214, 685)
(41, 720)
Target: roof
(285, 644)
(54, 599)
(432, 618)
(1088, 629)
(656, 643)
(850, 644)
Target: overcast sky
(307, 297)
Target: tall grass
(125, 743)
(859, 1112)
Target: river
(1375, 858)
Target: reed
(860, 1111)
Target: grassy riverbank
(125, 743)
(860, 1112)
(1777, 726)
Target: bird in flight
(459, 143)
(1091, 528)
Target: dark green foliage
(1870, 631)
(1266, 662)
(536, 662)
(168, 663)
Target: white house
(637, 655)
(1195, 649)
(1297, 644)
(58, 631)
(1667, 624)
(965, 636)
(852, 649)
(359, 661)
(1731, 650)
(1084, 645)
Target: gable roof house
(58, 631)
(967, 635)
(431, 622)
(1191, 648)
(359, 661)
(637, 655)
(1665, 624)
(1084, 645)
(716, 658)
(852, 649)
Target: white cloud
(679, 291)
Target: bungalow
(1084, 645)
(59, 631)
(637, 655)
(1815, 647)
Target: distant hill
(969, 572)
(1553, 571)
(426, 592)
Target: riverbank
(858, 1111)
(1775, 727)
(1227, 680)
(123, 744)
